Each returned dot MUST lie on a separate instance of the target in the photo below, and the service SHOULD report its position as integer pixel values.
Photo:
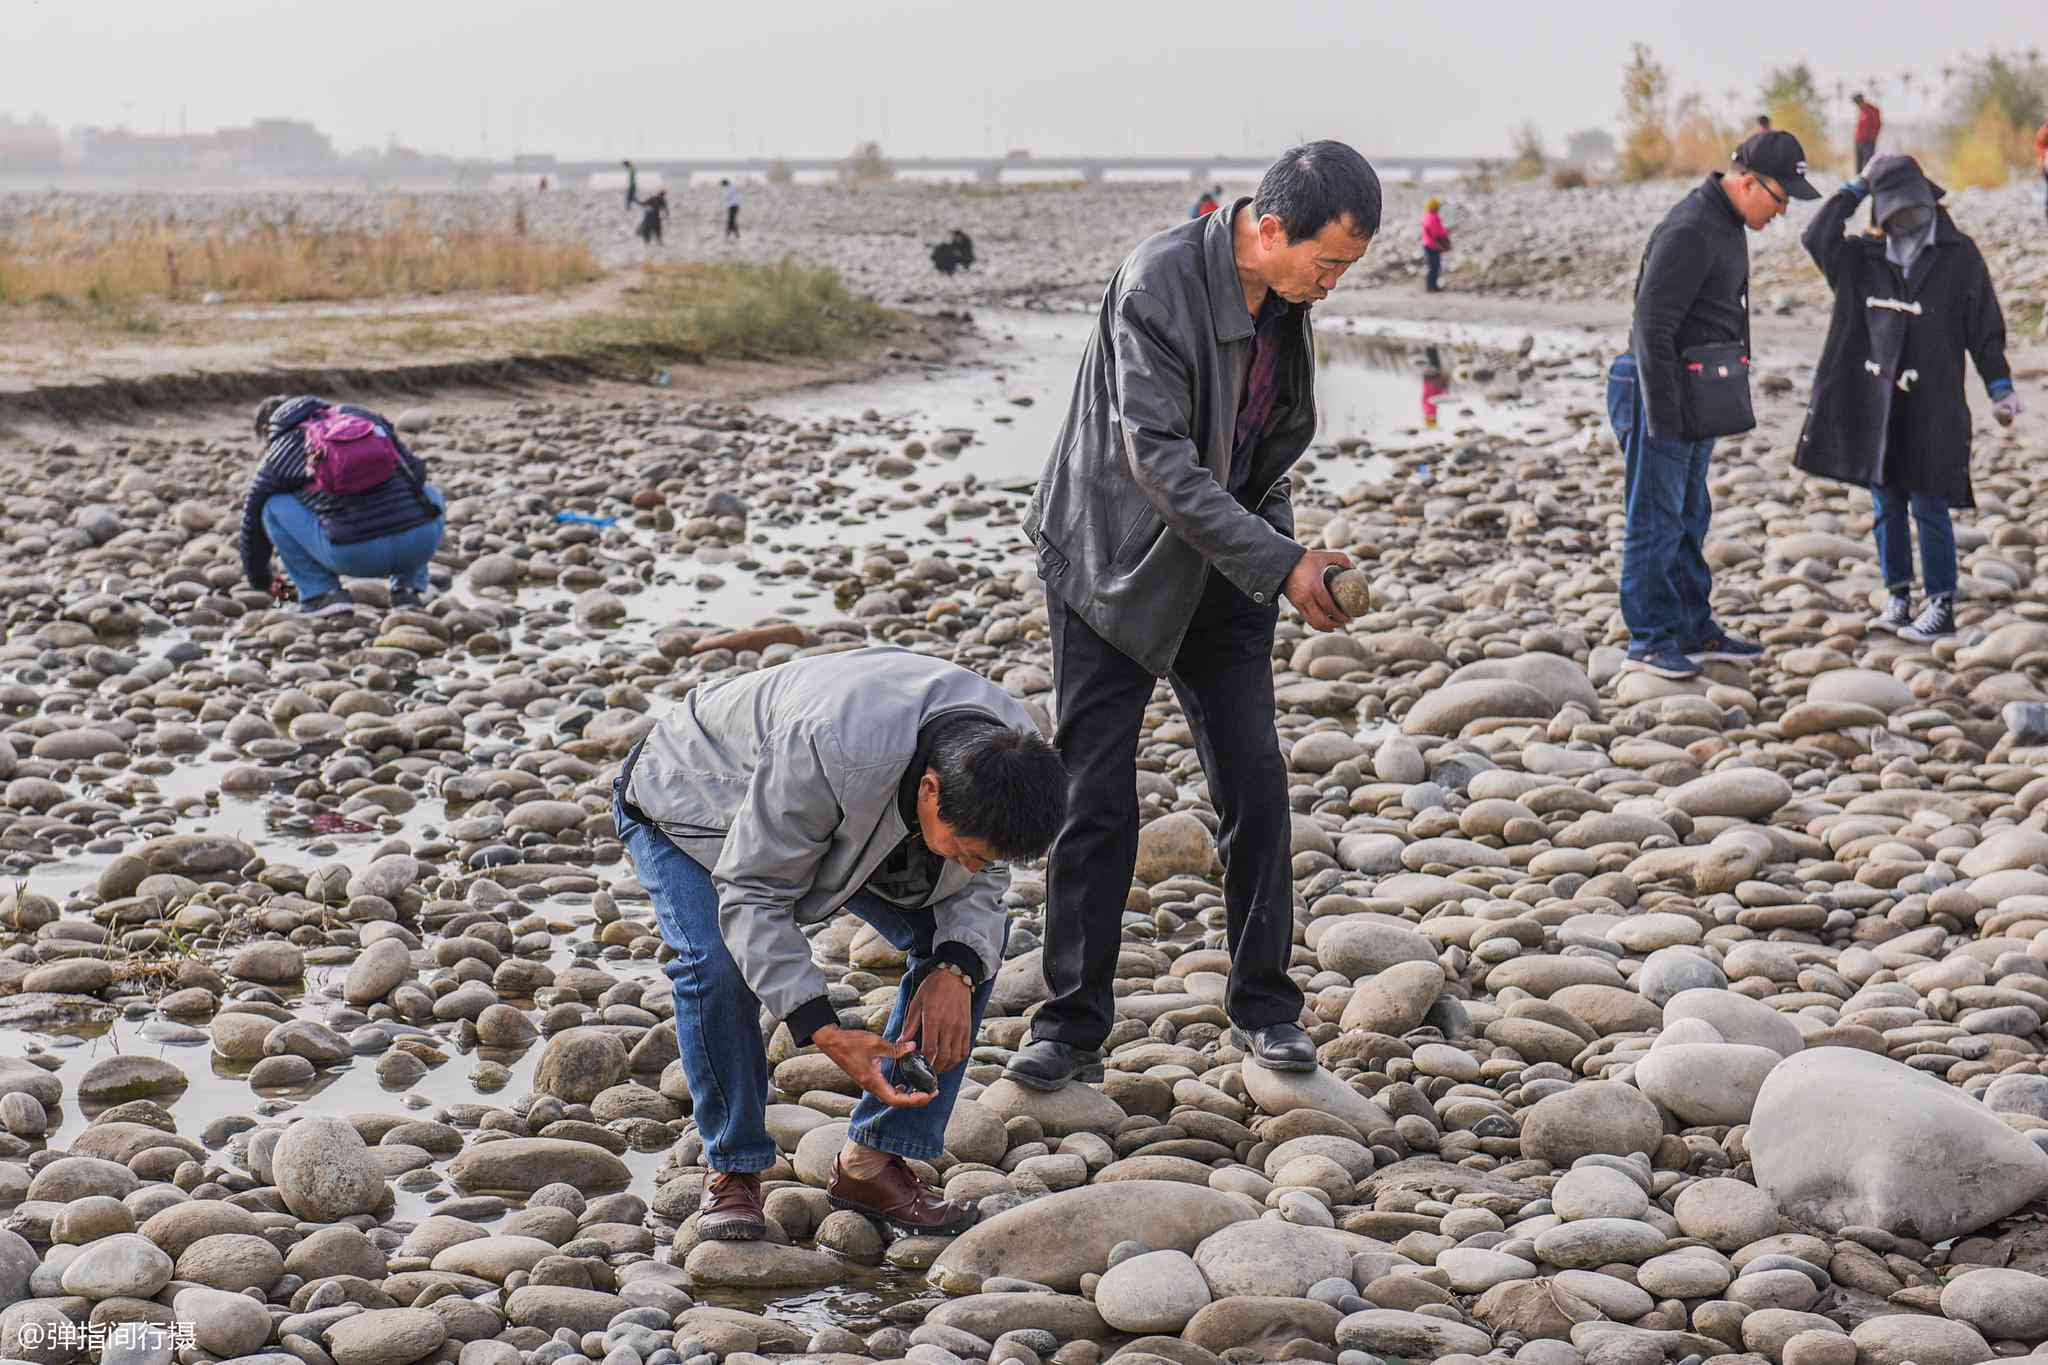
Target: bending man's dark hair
(1005, 788)
(1319, 183)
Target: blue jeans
(1435, 261)
(1895, 546)
(717, 1015)
(317, 565)
(1665, 581)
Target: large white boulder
(1841, 1137)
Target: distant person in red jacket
(1869, 120)
(2041, 155)
(1435, 242)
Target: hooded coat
(1888, 408)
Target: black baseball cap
(1778, 155)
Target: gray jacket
(1132, 510)
(783, 783)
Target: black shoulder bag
(1714, 378)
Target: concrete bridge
(987, 170)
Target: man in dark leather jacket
(1166, 540)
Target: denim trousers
(1435, 261)
(1895, 546)
(718, 1017)
(317, 565)
(1665, 581)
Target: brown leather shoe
(730, 1208)
(898, 1198)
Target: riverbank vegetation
(53, 260)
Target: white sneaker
(1896, 616)
(1937, 620)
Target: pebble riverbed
(1659, 1021)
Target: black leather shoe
(1048, 1064)
(1277, 1047)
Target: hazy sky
(604, 78)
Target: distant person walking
(1208, 203)
(1435, 242)
(632, 183)
(731, 200)
(1888, 410)
(1683, 382)
(656, 209)
(338, 493)
(1763, 123)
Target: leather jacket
(1132, 510)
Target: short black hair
(266, 409)
(1319, 183)
(1001, 787)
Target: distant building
(29, 145)
(277, 144)
(273, 146)
(1589, 147)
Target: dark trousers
(732, 221)
(1865, 151)
(1435, 260)
(1223, 677)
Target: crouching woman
(338, 495)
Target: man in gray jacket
(1166, 540)
(877, 781)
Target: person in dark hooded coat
(1888, 409)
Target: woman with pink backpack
(338, 495)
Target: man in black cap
(1676, 390)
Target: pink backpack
(348, 454)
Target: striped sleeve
(283, 471)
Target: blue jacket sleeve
(283, 471)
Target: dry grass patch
(50, 259)
(727, 311)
